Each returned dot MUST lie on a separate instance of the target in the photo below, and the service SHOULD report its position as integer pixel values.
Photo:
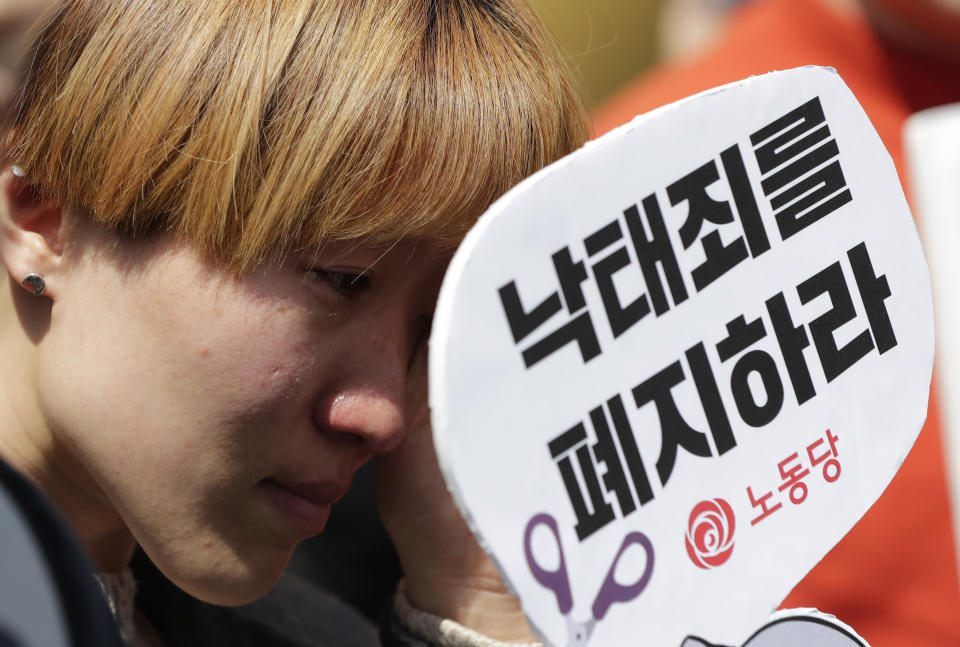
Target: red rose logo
(710, 535)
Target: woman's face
(221, 416)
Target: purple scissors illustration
(558, 581)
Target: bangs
(262, 127)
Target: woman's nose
(367, 396)
(371, 415)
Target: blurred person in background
(894, 578)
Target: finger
(417, 410)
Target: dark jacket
(293, 614)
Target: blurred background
(608, 41)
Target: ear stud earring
(36, 282)
(18, 171)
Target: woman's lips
(306, 504)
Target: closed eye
(345, 283)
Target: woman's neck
(29, 445)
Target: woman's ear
(30, 231)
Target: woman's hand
(447, 573)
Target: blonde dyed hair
(252, 126)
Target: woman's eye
(343, 282)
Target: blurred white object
(689, 27)
(932, 140)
